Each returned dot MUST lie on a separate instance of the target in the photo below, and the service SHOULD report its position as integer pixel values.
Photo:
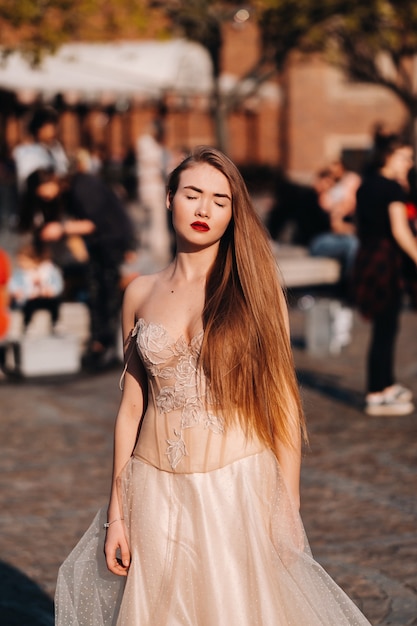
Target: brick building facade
(300, 121)
(328, 115)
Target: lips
(202, 227)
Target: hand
(116, 542)
(53, 231)
(79, 227)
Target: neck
(191, 266)
(386, 172)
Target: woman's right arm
(125, 434)
(401, 230)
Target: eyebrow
(217, 195)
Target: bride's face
(201, 206)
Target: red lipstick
(200, 226)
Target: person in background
(338, 201)
(113, 237)
(36, 283)
(203, 523)
(378, 277)
(341, 196)
(87, 231)
(43, 150)
(409, 267)
(298, 209)
(44, 220)
(152, 161)
(411, 187)
(41, 202)
(8, 191)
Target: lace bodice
(179, 431)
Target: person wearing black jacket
(90, 200)
(89, 197)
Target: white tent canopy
(93, 71)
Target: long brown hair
(246, 354)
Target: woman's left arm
(289, 458)
(289, 455)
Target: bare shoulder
(138, 291)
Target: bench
(327, 323)
(38, 351)
(298, 269)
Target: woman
(386, 240)
(42, 214)
(203, 521)
(41, 202)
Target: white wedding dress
(214, 538)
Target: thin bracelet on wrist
(108, 524)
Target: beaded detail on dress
(180, 387)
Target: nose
(202, 209)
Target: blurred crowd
(72, 214)
(368, 222)
(74, 217)
(74, 233)
(322, 216)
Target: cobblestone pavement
(359, 480)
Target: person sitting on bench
(36, 283)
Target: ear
(169, 201)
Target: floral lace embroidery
(157, 350)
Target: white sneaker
(386, 405)
(398, 393)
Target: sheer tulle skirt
(223, 547)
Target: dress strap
(128, 353)
(122, 377)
